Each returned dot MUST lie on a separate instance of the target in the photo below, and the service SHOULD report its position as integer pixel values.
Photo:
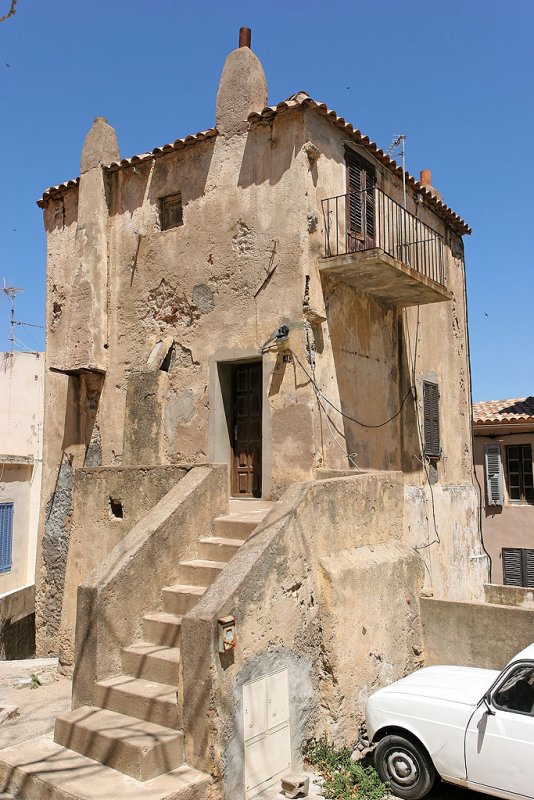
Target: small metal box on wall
(226, 634)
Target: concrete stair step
(233, 527)
(218, 548)
(162, 628)
(137, 748)
(137, 697)
(41, 769)
(154, 662)
(181, 598)
(199, 572)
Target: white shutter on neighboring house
(494, 488)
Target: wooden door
(247, 411)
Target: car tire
(405, 766)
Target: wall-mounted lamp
(282, 335)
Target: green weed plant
(344, 778)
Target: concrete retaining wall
(17, 624)
(509, 595)
(474, 634)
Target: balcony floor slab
(377, 273)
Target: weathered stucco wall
(512, 524)
(110, 607)
(474, 634)
(107, 503)
(245, 261)
(320, 568)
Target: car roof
(525, 655)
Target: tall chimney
(245, 37)
(426, 178)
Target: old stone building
(258, 443)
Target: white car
(472, 727)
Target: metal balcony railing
(369, 219)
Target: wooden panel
(247, 429)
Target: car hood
(465, 685)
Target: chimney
(245, 36)
(425, 180)
(242, 88)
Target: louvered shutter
(431, 419)
(512, 566)
(528, 568)
(369, 202)
(494, 489)
(354, 190)
(6, 536)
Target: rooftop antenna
(400, 140)
(11, 292)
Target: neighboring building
(258, 423)
(504, 442)
(21, 441)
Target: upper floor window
(6, 536)
(519, 472)
(432, 443)
(170, 211)
(361, 202)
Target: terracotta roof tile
(299, 100)
(504, 411)
(178, 144)
(303, 100)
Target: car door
(499, 742)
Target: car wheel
(405, 766)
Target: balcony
(377, 246)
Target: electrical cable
(339, 411)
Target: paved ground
(37, 707)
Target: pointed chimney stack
(242, 88)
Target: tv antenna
(11, 292)
(399, 140)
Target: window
(170, 211)
(6, 536)
(360, 202)
(518, 567)
(432, 444)
(519, 469)
(516, 693)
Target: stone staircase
(131, 739)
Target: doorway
(246, 429)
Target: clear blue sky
(457, 78)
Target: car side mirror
(489, 710)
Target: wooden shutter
(494, 489)
(6, 536)
(528, 568)
(512, 566)
(431, 419)
(361, 201)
